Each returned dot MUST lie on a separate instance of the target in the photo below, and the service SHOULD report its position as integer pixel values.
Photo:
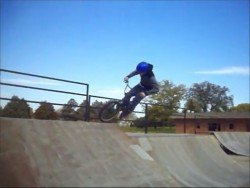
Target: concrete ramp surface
(73, 154)
(237, 142)
(195, 160)
(47, 153)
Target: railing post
(87, 112)
(86, 115)
(185, 115)
(146, 118)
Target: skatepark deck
(86, 154)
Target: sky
(100, 42)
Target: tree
(243, 107)
(159, 113)
(17, 108)
(68, 111)
(45, 111)
(95, 108)
(210, 97)
(193, 105)
(80, 112)
(169, 99)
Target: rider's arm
(130, 75)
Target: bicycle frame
(127, 86)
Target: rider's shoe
(123, 115)
(119, 116)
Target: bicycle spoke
(110, 111)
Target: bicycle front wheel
(109, 112)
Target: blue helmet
(142, 67)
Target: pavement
(50, 153)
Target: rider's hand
(126, 79)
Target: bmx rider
(147, 86)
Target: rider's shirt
(148, 81)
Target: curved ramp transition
(195, 160)
(236, 142)
(47, 153)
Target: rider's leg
(136, 100)
(131, 93)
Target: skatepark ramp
(50, 153)
(195, 160)
(236, 142)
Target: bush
(17, 108)
(45, 111)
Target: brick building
(204, 123)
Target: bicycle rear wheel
(109, 112)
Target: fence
(85, 94)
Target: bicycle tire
(109, 111)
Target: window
(198, 125)
(218, 127)
(231, 126)
(214, 127)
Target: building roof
(213, 115)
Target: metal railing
(85, 94)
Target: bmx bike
(111, 111)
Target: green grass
(150, 129)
